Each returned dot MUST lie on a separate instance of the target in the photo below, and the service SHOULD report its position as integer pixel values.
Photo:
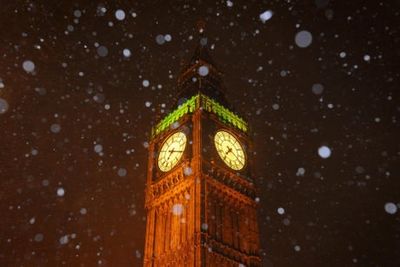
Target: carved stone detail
(207, 216)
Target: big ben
(201, 200)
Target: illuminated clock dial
(171, 151)
(230, 150)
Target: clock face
(171, 151)
(230, 150)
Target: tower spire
(201, 53)
(201, 26)
(201, 74)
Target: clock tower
(200, 195)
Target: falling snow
(177, 209)
(102, 51)
(120, 14)
(266, 15)
(55, 128)
(60, 192)
(303, 39)
(187, 171)
(160, 39)
(146, 83)
(122, 172)
(98, 148)
(82, 85)
(3, 106)
(317, 88)
(390, 208)
(39, 237)
(324, 152)
(64, 240)
(203, 71)
(28, 66)
(126, 52)
(281, 211)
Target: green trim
(223, 113)
(206, 103)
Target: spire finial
(201, 25)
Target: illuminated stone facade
(201, 212)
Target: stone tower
(200, 197)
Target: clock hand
(170, 153)
(230, 150)
(227, 152)
(235, 156)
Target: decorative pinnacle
(201, 25)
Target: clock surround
(230, 149)
(171, 151)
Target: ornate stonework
(201, 212)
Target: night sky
(82, 83)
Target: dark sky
(74, 124)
